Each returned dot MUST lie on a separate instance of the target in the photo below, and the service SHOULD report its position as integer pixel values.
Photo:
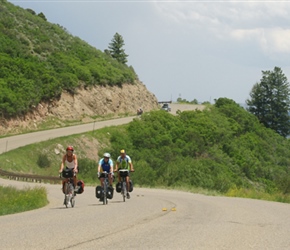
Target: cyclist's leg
(75, 181)
(110, 179)
(102, 181)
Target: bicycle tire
(71, 194)
(105, 201)
(124, 190)
(66, 193)
(72, 201)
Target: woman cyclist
(70, 161)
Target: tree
(270, 101)
(116, 49)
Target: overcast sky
(200, 50)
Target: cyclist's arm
(62, 164)
(116, 166)
(111, 166)
(76, 163)
(131, 166)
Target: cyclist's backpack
(131, 186)
(81, 186)
(99, 192)
(119, 187)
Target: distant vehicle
(166, 107)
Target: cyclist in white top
(70, 161)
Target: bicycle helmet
(70, 148)
(122, 151)
(107, 155)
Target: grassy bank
(14, 200)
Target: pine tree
(270, 101)
(116, 49)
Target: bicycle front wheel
(66, 194)
(124, 190)
(105, 200)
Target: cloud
(264, 24)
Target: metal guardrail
(29, 177)
(162, 102)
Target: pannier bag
(110, 192)
(99, 192)
(130, 186)
(119, 187)
(81, 186)
(67, 173)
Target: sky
(201, 50)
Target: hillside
(85, 106)
(48, 74)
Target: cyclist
(124, 162)
(70, 161)
(106, 164)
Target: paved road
(151, 219)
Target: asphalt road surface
(151, 219)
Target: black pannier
(119, 187)
(110, 192)
(99, 192)
(67, 173)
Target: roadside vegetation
(14, 200)
(222, 150)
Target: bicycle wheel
(71, 195)
(66, 194)
(105, 201)
(124, 190)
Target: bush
(43, 161)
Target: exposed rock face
(87, 103)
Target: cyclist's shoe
(128, 196)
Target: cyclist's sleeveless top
(124, 163)
(68, 164)
(106, 165)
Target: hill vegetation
(223, 148)
(39, 60)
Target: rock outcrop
(85, 106)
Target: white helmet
(107, 155)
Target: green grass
(14, 200)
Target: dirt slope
(85, 106)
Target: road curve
(151, 219)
